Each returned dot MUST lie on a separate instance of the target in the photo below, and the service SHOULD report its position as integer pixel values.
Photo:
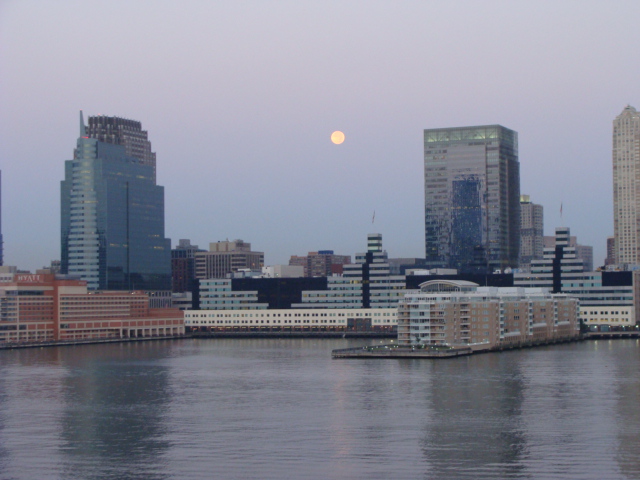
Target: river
(283, 409)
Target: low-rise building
(217, 294)
(41, 307)
(457, 312)
(380, 320)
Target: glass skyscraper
(112, 211)
(472, 198)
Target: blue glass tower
(112, 211)
(472, 198)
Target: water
(279, 409)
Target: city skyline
(242, 100)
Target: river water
(282, 408)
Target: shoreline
(419, 353)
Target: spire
(83, 132)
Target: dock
(395, 351)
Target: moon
(337, 137)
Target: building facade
(322, 263)
(227, 257)
(610, 298)
(367, 283)
(112, 213)
(583, 252)
(42, 307)
(626, 186)
(455, 313)
(183, 266)
(472, 198)
(531, 231)
(292, 320)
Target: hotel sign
(29, 278)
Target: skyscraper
(531, 231)
(626, 196)
(112, 211)
(472, 198)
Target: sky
(240, 99)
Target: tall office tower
(531, 231)
(125, 132)
(472, 198)
(626, 186)
(112, 214)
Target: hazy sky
(240, 98)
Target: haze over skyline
(240, 100)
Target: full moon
(337, 137)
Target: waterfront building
(182, 300)
(323, 263)
(292, 320)
(609, 298)
(112, 211)
(367, 283)
(531, 231)
(472, 198)
(46, 307)
(227, 257)
(217, 294)
(454, 313)
(626, 185)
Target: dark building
(279, 292)
(183, 267)
(472, 198)
(112, 211)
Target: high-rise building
(125, 132)
(472, 198)
(531, 231)
(112, 211)
(626, 175)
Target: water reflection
(474, 429)
(112, 425)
